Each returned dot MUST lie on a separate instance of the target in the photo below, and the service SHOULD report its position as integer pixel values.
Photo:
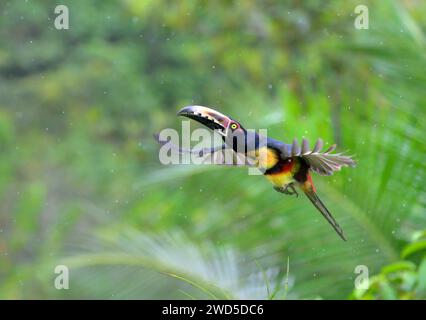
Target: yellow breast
(265, 158)
(281, 179)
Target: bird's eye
(234, 126)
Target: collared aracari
(285, 165)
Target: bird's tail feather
(316, 201)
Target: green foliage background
(80, 180)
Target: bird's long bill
(324, 211)
(210, 118)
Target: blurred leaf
(398, 266)
(421, 287)
(413, 248)
(216, 273)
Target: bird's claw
(286, 190)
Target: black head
(232, 132)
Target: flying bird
(286, 166)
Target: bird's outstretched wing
(220, 155)
(322, 162)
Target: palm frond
(215, 273)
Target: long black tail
(324, 211)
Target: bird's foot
(288, 189)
